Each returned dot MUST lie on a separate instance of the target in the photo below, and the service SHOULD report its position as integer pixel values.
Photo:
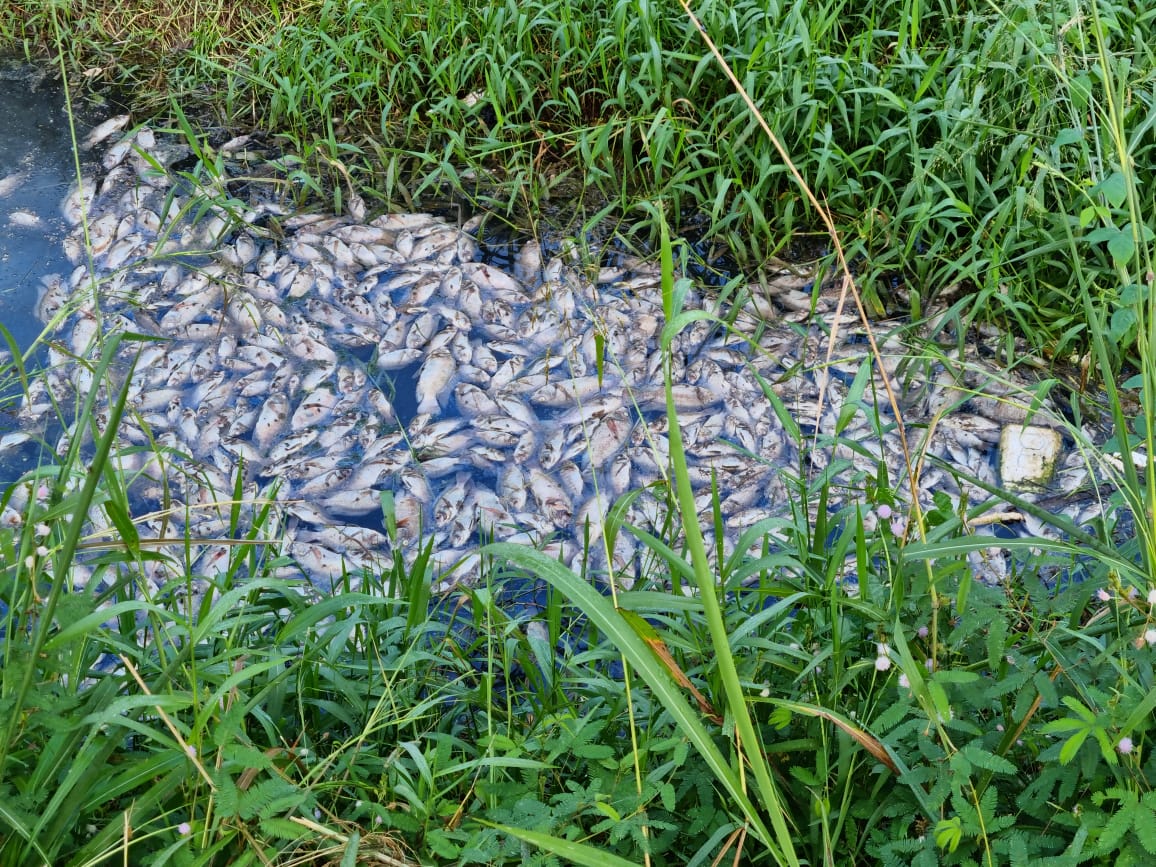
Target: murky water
(36, 167)
(279, 347)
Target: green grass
(954, 144)
(909, 716)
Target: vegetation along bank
(907, 662)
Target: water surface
(37, 158)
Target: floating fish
(539, 393)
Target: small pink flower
(184, 829)
(1152, 596)
(923, 632)
(884, 511)
(1124, 746)
(192, 751)
(903, 681)
(999, 727)
(43, 530)
(1150, 637)
(898, 526)
(1102, 595)
(1133, 592)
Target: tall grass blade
(579, 853)
(611, 624)
(750, 744)
(67, 553)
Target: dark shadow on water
(38, 167)
(403, 395)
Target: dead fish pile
(539, 393)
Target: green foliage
(859, 698)
(957, 145)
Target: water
(37, 149)
(233, 419)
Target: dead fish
(76, 204)
(607, 436)
(567, 392)
(493, 280)
(53, 295)
(432, 380)
(310, 349)
(686, 397)
(416, 483)
(620, 472)
(105, 131)
(464, 525)
(24, 219)
(551, 498)
(396, 359)
(526, 447)
(324, 482)
(313, 409)
(572, 479)
(12, 182)
(447, 506)
(528, 264)
(472, 400)
(290, 445)
(498, 430)
(353, 502)
(512, 487)
(551, 451)
(317, 559)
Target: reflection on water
(36, 168)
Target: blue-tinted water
(37, 166)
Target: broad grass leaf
(330, 607)
(851, 407)
(92, 622)
(21, 825)
(579, 853)
(613, 625)
(118, 711)
(349, 856)
(118, 513)
(878, 750)
(648, 634)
